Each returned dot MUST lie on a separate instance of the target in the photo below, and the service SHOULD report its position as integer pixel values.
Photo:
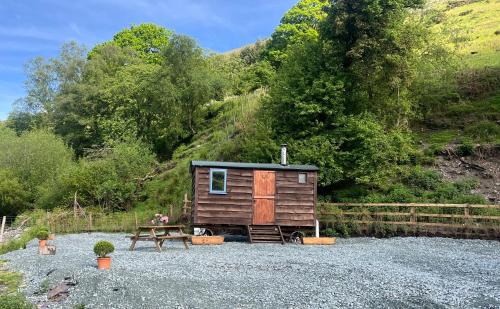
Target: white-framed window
(218, 179)
(302, 177)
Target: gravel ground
(356, 272)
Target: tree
(341, 99)
(13, 196)
(300, 23)
(374, 45)
(45, 80)
(188, 70)
(147, 39)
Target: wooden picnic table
(159, 238)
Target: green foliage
(35, 158)
(329, 232)
(14, 301)
(372, 48)
(44, 286)
(31, 164)
(103, 248)
(13, 197)
(300, 23)
(147, 39)
(42, 233)
(122, 97)
(18, 243)
(340, 82)
(230, 134)
(255, 76)
(484, 131)
(252, 53)
(465, 148)
(106, 178)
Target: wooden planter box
(319, 240)
(207, 240)
(47, 250)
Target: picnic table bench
(158, 238)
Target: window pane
(302, 177)
(218, 178)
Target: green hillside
(384, 107)
(470, 120)
(475, 24)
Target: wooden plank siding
(234, 207)
(294, 202)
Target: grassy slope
(10, 298)
(229, 118)
(479, 23)
(234, 113)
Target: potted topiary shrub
(102, 249)
(42, 234)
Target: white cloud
(30, 32)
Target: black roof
(254, 166)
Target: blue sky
(38, 28)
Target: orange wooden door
(264, 189)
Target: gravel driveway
(356, 272)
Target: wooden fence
(430, 219)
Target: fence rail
(458, 219)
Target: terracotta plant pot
(104, 262)
(42, 243)
(207, 240)
(319, 240)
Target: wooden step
(265, 234)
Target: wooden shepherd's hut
(269, 202)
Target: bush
(466, 148)
(423, 179)
(103, 248)
(484, 131)
(107, 178)
(20, 243)
(42, 233)
(14, 301)
(329, 232)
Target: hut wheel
(296, 237)
(207, 232)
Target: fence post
(413, 217)
(185, 206)
(3, 228)
(467, 213)
(467, 218)
(90, 222)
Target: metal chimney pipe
(283, 154)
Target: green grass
(476, 121)
(441, 138)
(476, 22)
(228, 119)
(20, 243)
(10, 298)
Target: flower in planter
(159, 219)
(164, 219)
